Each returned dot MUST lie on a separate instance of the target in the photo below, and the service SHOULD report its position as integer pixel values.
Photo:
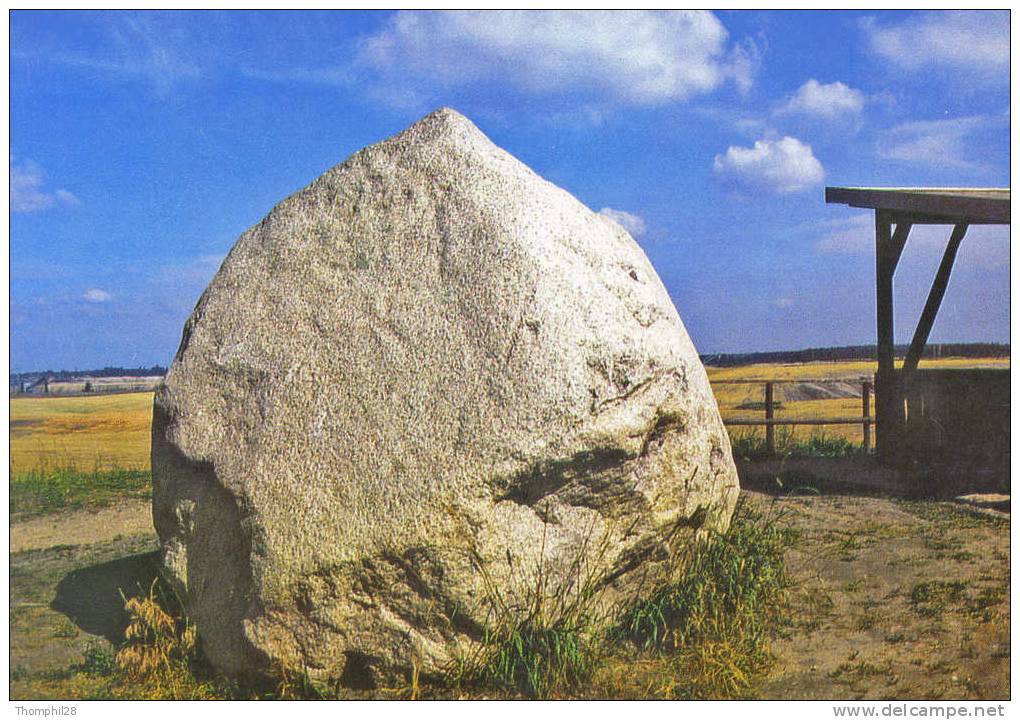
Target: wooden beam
(898, 241)
(888, 410)
(866, 408)
(931, 307)
(975, 206)
(930, 219)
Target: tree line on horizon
(65, 375)
(830, 354)
(855, 352)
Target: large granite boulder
(421, 386)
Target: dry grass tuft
(154, 639)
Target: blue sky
(143, 144)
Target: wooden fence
(770, 420)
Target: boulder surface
(422, 390)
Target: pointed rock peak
(444, 124)
(447, 116)
(446, 119)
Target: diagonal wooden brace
(931, 307)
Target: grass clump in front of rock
(714, 623)
(706, 633)
(159, 658)
(537, 658)
(549, 647)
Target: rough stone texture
(427, 377)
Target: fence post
(866, 406)
(770, 429)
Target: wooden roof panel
(975, 206)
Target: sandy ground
(891, 599)
(82, 527)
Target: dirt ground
(891, 598)
(99, 526)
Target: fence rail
(770, 421)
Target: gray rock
(425, 386)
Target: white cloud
(783, 302)
(67, 198)
(28, 192)
(635, 57)
(974, 42)
(932, 142)
(95, 295)
(634, 224)
(826, 101)
(772, 166)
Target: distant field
(796, 371)
(102, 432)
(98, 432)
(831, 595)
(106, 384)
(731, 396)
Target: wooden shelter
(913, 412)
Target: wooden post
(888, 247)
(866, 407)
(770, 429)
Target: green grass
(537, 658)
(933, 598)
(708, 632)
(43, 492)
(717, 619)
(97, 661)
(750, 445)
(948, 515)
(550, 644)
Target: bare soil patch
(893, 599)
(65, 598)
(81, 527)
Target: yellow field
(730, 396)
(94, 432)
(849, 369)
(107, 431)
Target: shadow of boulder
(92, 597)
(859, 475)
